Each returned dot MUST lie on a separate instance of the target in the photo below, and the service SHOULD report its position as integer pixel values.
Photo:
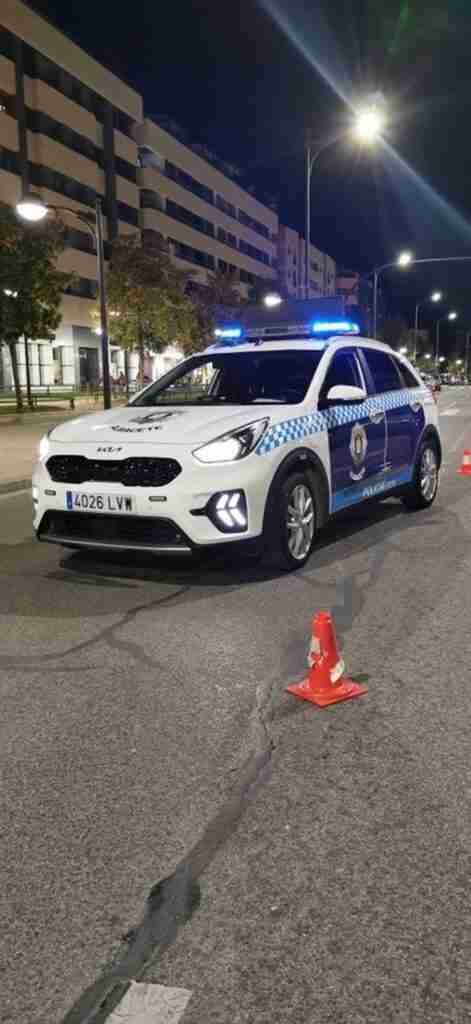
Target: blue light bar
(228, 332)
(335, 327)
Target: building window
(46, 177)
(37, 121)
(125, 169)
(191, 255)
(123, 123)
(7, 48)
(246, 277)
(128, 214)
(188, 217)
(83, 288)
(9, 161)
(226, 207)
(256, 254)
(151, 200)
(186, 181)
(226, 237)
(250, 222)
(227, 268)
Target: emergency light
(335, 327)
(228, 332)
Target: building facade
(67, 132)
(208, 220)
(71, 130)
(292, 267)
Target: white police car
(259, 438)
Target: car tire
(423, 490)
(292, 519)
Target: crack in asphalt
(106, 635)
(172, 901)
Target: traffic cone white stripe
(337, 671)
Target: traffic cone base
(345, 690)
(465, 468)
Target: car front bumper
(172, 519)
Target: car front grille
(133, 472)
(85, 528)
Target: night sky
(251, 78)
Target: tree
(215, 300)
(30, 287)
(147, 300)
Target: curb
(15, 485)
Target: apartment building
(208, 220)
(71, 130)
(67, 132)
(292, 267)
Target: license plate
(77, 501)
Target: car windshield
(236, 378)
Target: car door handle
(377, 417)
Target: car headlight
(232, 446)
(44, 445)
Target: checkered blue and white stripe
(300, 427)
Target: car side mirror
(346, 393)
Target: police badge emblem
(358, 446)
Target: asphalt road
(169, 814)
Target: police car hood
(179, 425)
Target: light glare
(368, 125)
(272, 300)
(404, 259)
(31, 208)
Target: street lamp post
(449, 316)
(366, 128)
(32, 208)
(466, 358)
(435, 297)
(403, 260)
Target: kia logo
(108, 451)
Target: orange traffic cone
(465, 468)
(326, 682)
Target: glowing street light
(272, 300)
(402, 260)
(366, 128)
(435, 297)
(368, 125)
(450, 316)
(32, 208)
(428, 355)
(403, 351)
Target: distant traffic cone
(326, 682)
(465, 468)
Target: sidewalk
(20, 435)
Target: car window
(236, 378)
(408, 377)
(344, 369)
(385, 374)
